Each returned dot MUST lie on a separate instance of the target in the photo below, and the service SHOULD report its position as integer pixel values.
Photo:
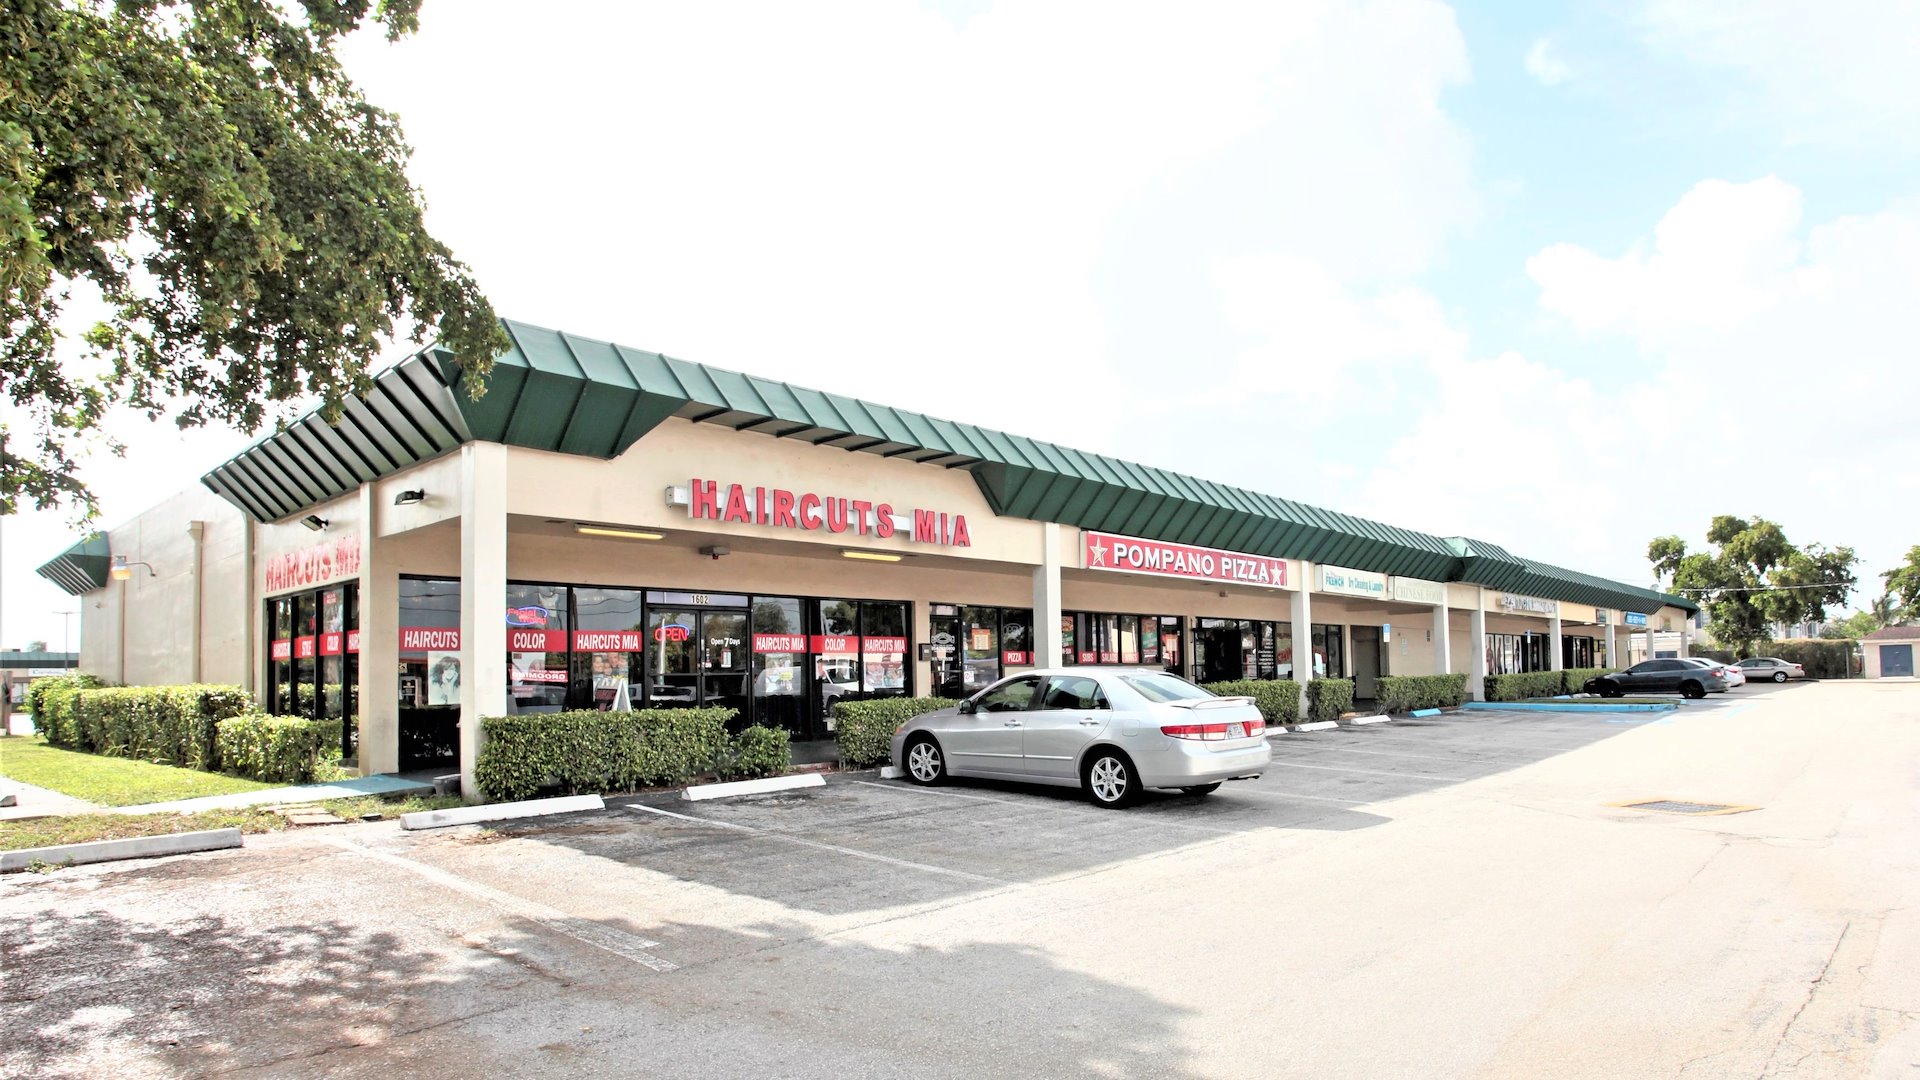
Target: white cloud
(982, 214)
(1773, 357)
(1545, 64)
(1826, 74)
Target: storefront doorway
(1366, 662)
(698, 658)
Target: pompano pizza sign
(1133, 555)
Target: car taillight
(1205, 732)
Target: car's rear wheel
(1692, 690)
(1110, 779)
(1779, 676)
(1201, 789)
(925, 763)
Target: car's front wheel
(1110, 779)
(1201, 789)
(1612, 690)
(1779, 676)
(925, 764)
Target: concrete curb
(1370, 719)
(1321, 725)
(137, 847)
(888, 772)
(506, 811)
(1562, 706)
(703, 792)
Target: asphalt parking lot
(1453, 897)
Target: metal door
(1896, 660)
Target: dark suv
(1691, 680)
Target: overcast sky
(1561, 276)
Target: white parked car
(1771, 668)
(1733, 675)
(1109, 731)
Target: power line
(1763, 588)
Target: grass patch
(111, 781)
(83, 828)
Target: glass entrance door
(724, 662)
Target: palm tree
(1886, 611)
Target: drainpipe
(197, 530)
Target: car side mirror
(967, 708)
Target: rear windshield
(1161, 688)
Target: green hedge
(1277, 699)
(172, 725)
(276, 749)
(1576, 677)
(757, 752)
(590, 750)
(1524, 685)
(864, 729)
(39, 688)
(1405, 693)
(1328, 698)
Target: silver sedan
(1113, 732)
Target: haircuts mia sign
(710, 500)
(316, 565)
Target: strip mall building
(610, 528)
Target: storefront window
(780, 649)
(1329, 652)
(608, 649)
(1510, 654)
(1228, 649)
(537, 648)
(280, 692)
(1091, 637)
(429, 671)
(672, 673)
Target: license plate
(1236, 731)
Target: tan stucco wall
(158, 631)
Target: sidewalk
(304, 793)
(33, 802)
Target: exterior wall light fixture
(618, 534)
(121, 569)
(408, 498)
(870, 556)
(314, 522)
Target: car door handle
(1089, 722)
(1013, 723)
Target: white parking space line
(1117, 817)
(835, 848)
(1248, 789)
(1456, 759)
(1372, 772)
(585, 931)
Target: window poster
(443, 678)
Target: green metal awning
(1495, 567)
(81, 568)
(559, 392)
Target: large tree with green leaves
(1752, 576)
(1903, 586)
(205, 169)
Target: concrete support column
(922, 615)
(483, 599)
(1477, 684)
(1686, 630)
(1649, 655)
(1555, 657)
(1046, 600)
(1302, 616)
(379, 622)
(1608, 631)
(1442, 637)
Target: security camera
(714, 551)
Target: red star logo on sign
(1280, 571)
(1099, 553)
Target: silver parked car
(1771, 667)
(1111, 731)
(1731, 672)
